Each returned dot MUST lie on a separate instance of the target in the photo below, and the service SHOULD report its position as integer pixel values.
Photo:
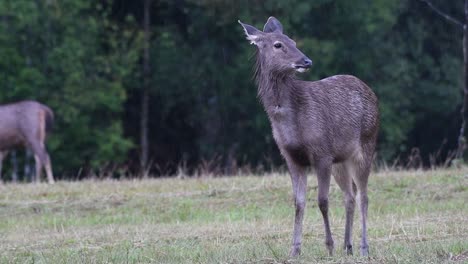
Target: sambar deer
(25, 124)
(330, 124)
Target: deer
(26, 124)
(330, 125)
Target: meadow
(414, 217)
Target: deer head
(277, 52)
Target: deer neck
(275, 90)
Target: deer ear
(251, 32)
(273, 25)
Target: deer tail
(49, 119)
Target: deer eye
(277, 45)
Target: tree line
(182, 72)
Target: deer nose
(307, 62)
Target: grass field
(414, 217)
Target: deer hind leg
(343, 176)
(361, 178)
(45, 160)
(37, 175)
(42, 158)
(48, 167)
(46, 157)
(323, 168)
(36, 141)
(299, 184)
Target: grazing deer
(330, 124)
(26, 124)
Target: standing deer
(26, 124)
(330, 124)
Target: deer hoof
(330, 246)
(365, 251)
(349, 250)
(295, 251)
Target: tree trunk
(461, 137)
(463, 24)
(145, 92)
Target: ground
(414, 217)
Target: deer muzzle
(303, 65)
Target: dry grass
(414, 217)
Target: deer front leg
(323, 168)
(299, 184)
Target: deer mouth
(302, 65)
(301, 68)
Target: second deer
(25, 124)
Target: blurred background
(166, 85)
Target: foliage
(83, 58)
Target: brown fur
(331, 124)
(25, 124)
(49, 119)
(41, 132)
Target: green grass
(414, 217)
